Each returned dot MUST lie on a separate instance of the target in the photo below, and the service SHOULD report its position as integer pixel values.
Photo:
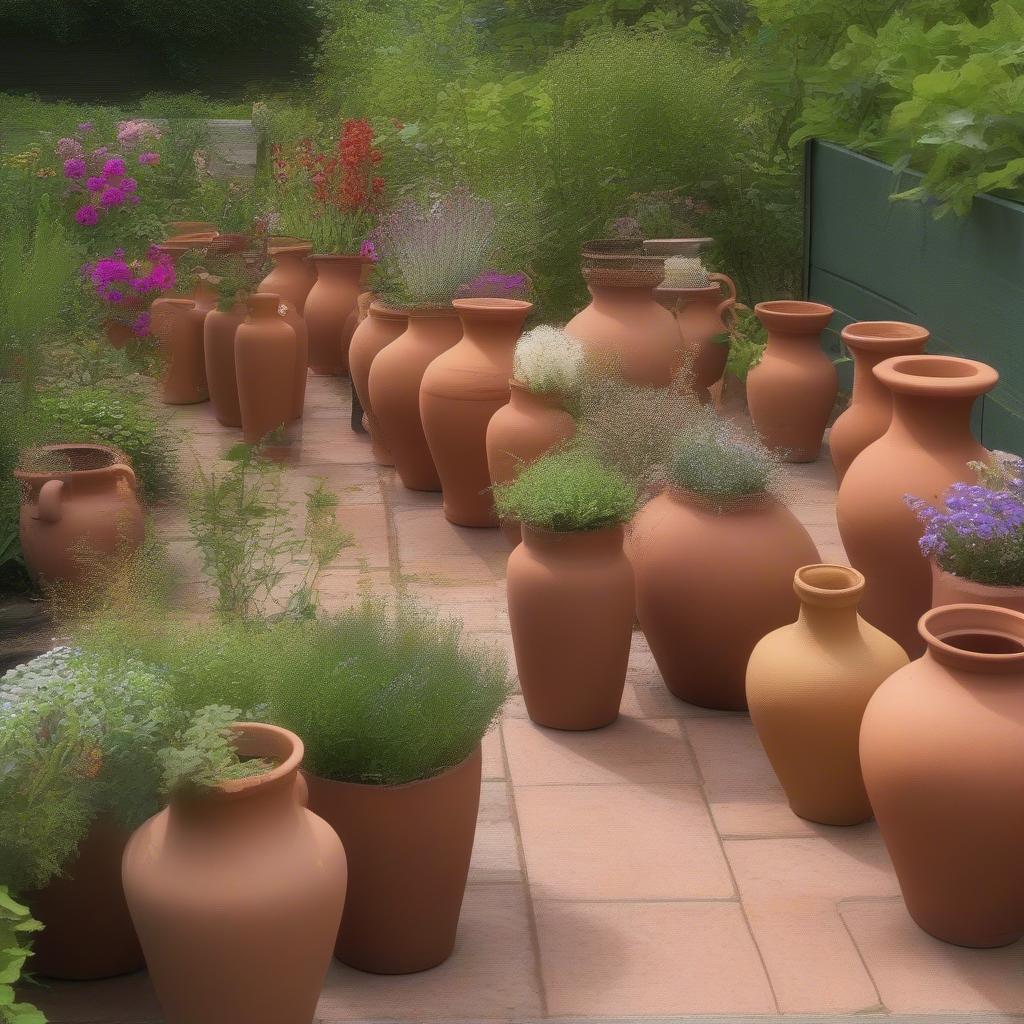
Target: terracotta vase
(925, 450)
(408, 848)
(380, 327)
(330, 312)
(219, 329)
(571, 605)
(711, 581)
(942, 748)
(180, 334)
(178, 228)
(950, 589)
(868, 415)
(294, 319)
(293, 275)
(461, 390)
(808, 684)
(792, 390)
(85, 507)
(265, 356)
(237, 893)
(394, 392)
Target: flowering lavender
(121, 286)
(492, 284)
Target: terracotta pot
(330, 312)
(179, 330)
(70, 516)
(461, 390)
(191, 227)
(808, 684)
(293, 275)
(868, 415)
(942, 747)
(237, 894)
(950, 589)
(408, 850)
(792, 390)
(925, 450)
(219, 329)
(571, 605)
(711, 581)
(266, 350)
(519, 433)
(394, 391)
(294, 320)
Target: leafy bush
(16, 926)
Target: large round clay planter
(394, 391)
(71, 516)
(409, 848)
(711, 581)
(461, 390)
(266, 350)
(330, 312)
(180, 333)
(219, 329)
(950, 589)
(942, 749)
(808, 684)
(294, 319)
(293, 275)
(375, 332)
(571, 606)
(869, 413)
(792, 390)
(925, 450)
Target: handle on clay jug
(726, 312)
(730, 287)
(128, 473)
(48, 504)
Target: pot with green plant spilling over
(570, 588)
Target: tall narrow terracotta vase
(330, 312)
(293, 275)
(265, 356)
(948, 588)
(219, 329)
(808, 684)
(180, 334)
(294, 320)
(792, 391)
(942, 747)
(237, 893)
(867, 417)
(394, 390)
(926, 449)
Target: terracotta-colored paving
(648, 870)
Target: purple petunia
(114, 167)
(87, 215)
(369, 251)
(74, 167)
(85, 126)
(140, 326)
(112, 197)
(95, 184)
(129, 185)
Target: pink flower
(129, 185)
(101, 151)
(87, 215)
(74, 167)
(112, 197)
(147, 159)
(140, 326)
(113, 295)
(67, 148)
(133, 200)
(85, 126)
(114, 167)
(95, 184)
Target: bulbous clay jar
(868, 415)
(294, 320)
(808, 684)
(571, 606)
(180, 334)
(924, 451)
(293, 275)
(85, 508)
(380, 327)
(519, 433)
(461, 390)
(236, 893)
(394, 390)
(330, 312)
(711, 580)
(409, 848)
(942, 748)
(948, 588)
(219, 349)
(265, 356)
(792, 390)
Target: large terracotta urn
(294, 319)
(712, 578)
(925, 450)
(461, 390)
(180, 335)
(808, 684)
(266, 350)
(942, 748)
(868, 415)
(330, 312)
(219, 329)
(409, 848)
(792, 390)
(394, 391)
(293, 275)
(948, 588)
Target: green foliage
(16, 927)
(747, 341)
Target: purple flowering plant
(123, 287)
(493, 284)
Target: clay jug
(571, 606)
(380, 327)
(265, 356)
(868, 415)
(78, 504)
(792, 390)
(408, 848)
(219, 349)
(711, 580)
(461, 390)
(942, 748)
(293, 275)
(294, 320)
(808, 684)
(925, 450)
(394, 391)
(236, 893)
(330, 312)
(948, 588)
(519, 433)
(180, 334)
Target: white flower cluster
(685, 272)
(547, 360)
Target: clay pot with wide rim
(330, 312)
(293, 275)
(219, 329)
(189, 228)
(948, 588)
(808, 684)
(408, 848)
(394, 390)
(181, 339)
(461, 390)
(712, 579)
(266, 350)
(792, 390)
(294, 319)
(868, 415)
(85, 507)
(236, 893)
(925, 450)
(942, 749)
(571, 605)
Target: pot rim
(796, 316)
(392, 787)
(493, 308)
(294, 249)
(440, 311)
(118, 460)
(326, 257)
(712, 291)
(923, 375)
(811, 584)
(719, 504)
(385, 312)
(284, 769)
(885, 336)
(938, 625)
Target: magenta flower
(114, 295)
(140, 326)
(129, 185)
(148, 159)
(95, 184)
(112, 197)
(101, 151)
(114, 167)
(369, 251)
(74, 167)
(87, 215)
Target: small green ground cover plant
(16, 928)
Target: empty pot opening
(827, 577)
(794, 306)
(69, 459)
(979, 642)
(935, 368)
(885, 329)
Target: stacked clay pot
(293, 275)
(266, 351)
(330, 312)
(219, 329)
